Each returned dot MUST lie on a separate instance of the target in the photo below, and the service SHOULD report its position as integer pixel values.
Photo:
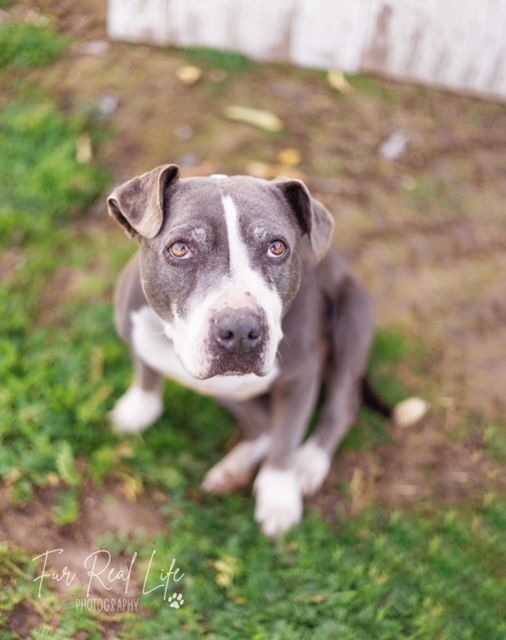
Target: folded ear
(312, 216)
(138, 204)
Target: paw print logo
(176, 600)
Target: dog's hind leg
(352, 333)
(237, 468)
(142, 404)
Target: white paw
(311, 465)
(137, 410)
(278, 505)
(235, 469)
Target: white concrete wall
(455, 44)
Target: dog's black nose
(238, 331)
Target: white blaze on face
(243, 287)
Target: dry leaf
(257, 117)
(337, 80)
(84, 150)
(188, 74)
(226, 568)
(131, 488)
(270, 171)
(53, 479)
(261, 170)
(290, 157)
(318, 599)
(395, 146)
(358, 490)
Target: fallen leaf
(270, 171)
(360, 487)
(257, 117)
(53, 479)
(290, 157)
(188, 74)
(261, 170)
(131, 488)
(395, 146)
(84, 150)
(226, 570)
(318, 599)
(338, 81)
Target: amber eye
(179, 250)
(277, 249)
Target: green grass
(28, 45)
(42, 183)
(368, 85)
(215, 59)
(403, 576)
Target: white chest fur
(156, 350)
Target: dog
(237, 293)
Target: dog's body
(237, 294)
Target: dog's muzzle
(237, 340)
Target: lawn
(406, 539)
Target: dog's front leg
(237, 468)
(352, 335)
(278, 494)
(142, 404)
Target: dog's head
(220, 261)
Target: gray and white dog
(237, 294)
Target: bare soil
(105, 511)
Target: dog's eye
(277, 249)
(179, 250)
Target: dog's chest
(153, 347)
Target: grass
(24, 45)
(42, 181)
(373, 88)
(382, 575)
(378, 577)
(228, 61)
(435, 573)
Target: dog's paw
(137, 410)
(235, 470)
(278, 505)
(222, 479)
(311, 465)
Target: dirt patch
(9, 261)
(84, 21)
(103, 512)
(62, 287)
(422, 465)
(23, 620)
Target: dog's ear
(138, 204)
(312, 216)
